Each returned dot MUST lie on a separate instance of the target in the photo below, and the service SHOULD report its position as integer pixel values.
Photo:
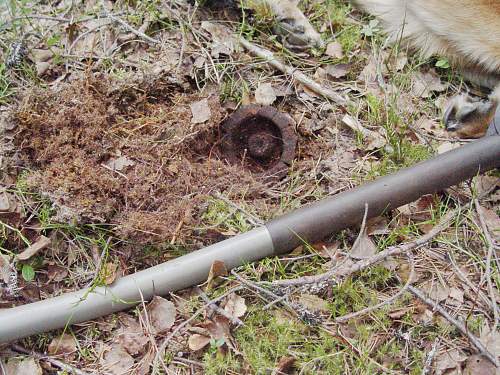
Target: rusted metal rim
(259, 138)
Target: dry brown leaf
(479, 365)
(5, 268)
(337, 71)
(373, 139)
(492, 222)
(109, 272)
(4, 202)
(377, 226)
(223, 42)
(235, 306)
(313, 302)
(40, 244)
(285, 365)
(56, 273)
(218, 268)
(117, 361)
(457, 295)
(161, 314)
(490, 339)
(64, 345)
(334, 49)
(264, 94)
(485, 184)
(198, 342)
(24, 366)
(424, 84)
(447, 146)
(130, 336)
(200, 111)
(448, 360)
(364, 247)
(219, 328)
(430, 126)
(42, 67)
(120, 163)
(436, 291)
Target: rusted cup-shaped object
(259, 138)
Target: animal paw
(469, 117)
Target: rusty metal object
(260, 138)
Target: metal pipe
(311, 223)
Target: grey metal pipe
(312, 223)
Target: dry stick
(185, 323)
(487, 273)
(369, 309)
(217, 309)
(63, 366)
(469, 283)
(297, 75)
(459, 325)
(430, 357)
(365, 263)
(130, 28)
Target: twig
(430, 357)
(296, 74)
(130, 28)
(369, 309)
(172, 334)
(365, 263)
(63, 366)
(459, 325)
(487, 272)
(217, 309)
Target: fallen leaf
(374, 140)
(448, 360)
(490, 339)
(337, 71)
(131, 337)
(397, 62)
(430, 126)
(492, 221)
(223, 42)
(479, 365)
(219, 328)
(377, 226)
(485, 184)
(197, 341)
(363, 247)
(264, 94)
(447, 146)
(200, 111)
(436, 291)
(40, 244)
(161, 314)
(64, 345)
(235, 306)
(24, 366)
(218, 268)
(109, 272)
(5, 268)
(313, 302)
(4, 202)
(42, 67)
(120, 163)
(334, 49)
(56, 273)
(117, 361)
(457, 294)
(424, 84)
(285, 365)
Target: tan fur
(466, 31)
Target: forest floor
(112, 162)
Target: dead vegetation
(111, 163)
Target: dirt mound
(125, 153)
